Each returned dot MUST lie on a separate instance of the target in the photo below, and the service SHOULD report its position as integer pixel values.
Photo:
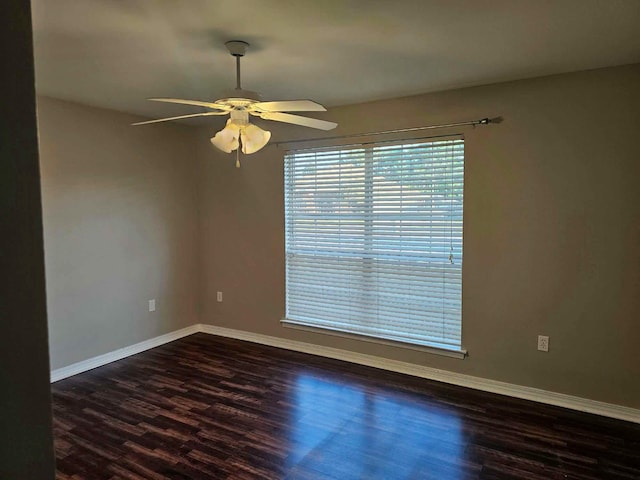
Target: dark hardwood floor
(206, 407)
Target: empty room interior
(413, 255)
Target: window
(374, 240)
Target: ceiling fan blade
(298, 120)
(203, 114)
(290, 106)
(196, 103)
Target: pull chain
(238, 157)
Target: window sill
(435, 350)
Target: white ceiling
(116, 53)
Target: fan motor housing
(240, 98)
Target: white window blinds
(374, 240)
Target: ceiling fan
(239, 133)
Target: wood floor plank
(205, 407)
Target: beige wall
(552, 229)
(120, 228)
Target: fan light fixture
(239, 134)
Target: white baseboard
(121, 353)
(493, 386)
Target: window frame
(431, 346)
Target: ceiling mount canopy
(239, 133)
(237, 48)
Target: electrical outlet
(219, 296)
(152, 305)
(543, 343)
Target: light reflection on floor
(342, 431)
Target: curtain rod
(482, 121)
